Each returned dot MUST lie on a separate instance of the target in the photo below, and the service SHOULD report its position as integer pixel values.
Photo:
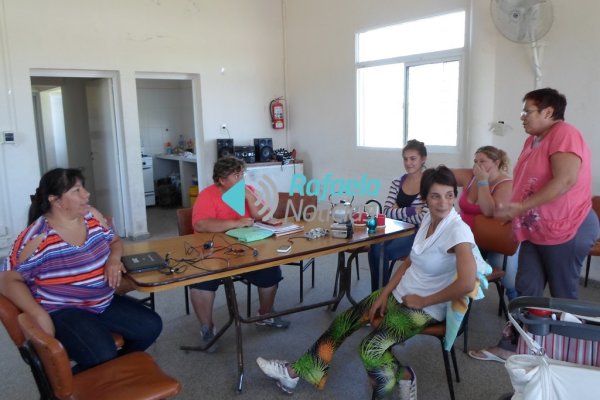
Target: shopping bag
(538, 377)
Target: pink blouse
(558, 220)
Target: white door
(104, 151)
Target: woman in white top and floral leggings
(440, 268)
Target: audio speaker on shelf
(245, 153)
(263, 148)
(225, 148)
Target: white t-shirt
(433, 268)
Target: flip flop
(487, 356)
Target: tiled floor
(162, 222)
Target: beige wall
(200, 37)
(320, 79)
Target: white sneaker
(407, 389)
(277, 369)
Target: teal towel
(249, 234)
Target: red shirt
(210, 204)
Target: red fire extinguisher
(277, 119)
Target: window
(409, 88)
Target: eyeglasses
(238, 175)
(525, 113)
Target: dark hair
(549, 97)
(226, 166)
(53, 183)
(414, 144)
(495, 154)
(441, 175)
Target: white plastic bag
(538, 377)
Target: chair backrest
(596, 205)
(8, 314)
(184, 221)
(52, 355)
(494, 235)
(299, 203)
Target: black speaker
(263, 147)
(245, 153)
(225, 148)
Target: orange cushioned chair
(439, 331)
(128, 377)
(495, 236)
(9, 313)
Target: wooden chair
(595, 250)
(9, 313)
(495, 236)
(131, 376)
(184, 227)
(300, 206)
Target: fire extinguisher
(276, 107)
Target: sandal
(485, 355)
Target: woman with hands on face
(440, 268)
(63, 270)
(486, 186)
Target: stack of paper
(280, 230)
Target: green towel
(249, 233)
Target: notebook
(142, 262)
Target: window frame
(449, 55)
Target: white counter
(185, 167)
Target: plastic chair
(131, 376)
(184, 227)
(300, 204)
(595, 250)
(9, 313)
(495, 236)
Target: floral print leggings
(399, 324)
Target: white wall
(320, 79)
(244, 38)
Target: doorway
(77, 128)
(167, 120)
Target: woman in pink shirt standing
(550, 208)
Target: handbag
(537, 377)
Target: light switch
(7, 137)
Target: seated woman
(63, 270)
(440, 268)
(212, 214)
(486, 186)
(403, 203)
